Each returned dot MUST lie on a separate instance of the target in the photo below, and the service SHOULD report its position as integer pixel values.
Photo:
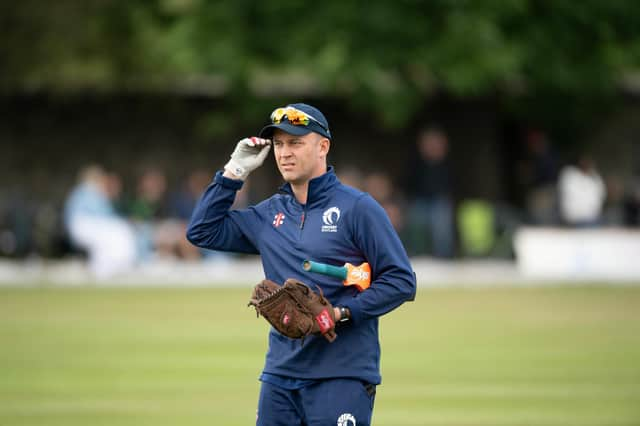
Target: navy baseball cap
(297, 119)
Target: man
(313, 217)
(582, 193)
(431, 213)
(93, 224)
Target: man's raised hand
(249, 154)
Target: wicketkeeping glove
(248, 156)
(294, 309)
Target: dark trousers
(342, 402)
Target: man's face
(433, 146)
(300, 158)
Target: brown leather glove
(294, 309)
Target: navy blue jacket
(338, 224)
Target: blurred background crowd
(118, 223)
(465, 120)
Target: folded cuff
(354, 309)
(234, 184)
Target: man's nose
(285, 151)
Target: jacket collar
(318, 187)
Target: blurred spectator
(476, 219)
(351, 176)
(613, 211)
(94, 226)
(395, 212)
(156, 233)
(486, 228)
(181, 204)
(581, 193)
(380, 187)
(113, 185)
(16, 224)
(430, 185)
(539, 174)
(148, 202)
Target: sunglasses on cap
(293, 116)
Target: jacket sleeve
(214, 226)
(393, 280)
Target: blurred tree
(380, 56)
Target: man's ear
(325, 144)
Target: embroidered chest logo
(278, 219)
(330, 219)
(346, 419)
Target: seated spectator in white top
(582, 193)
(94, 225)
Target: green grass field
(492, 356)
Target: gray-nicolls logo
(330, 219)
